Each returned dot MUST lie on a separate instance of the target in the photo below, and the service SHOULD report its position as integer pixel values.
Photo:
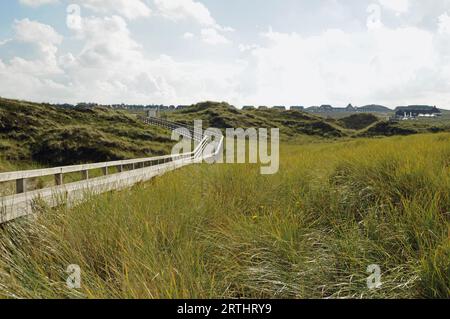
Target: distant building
(313, 109)
(86, 105)
(350, 108)
(279, 108)
(248, 107)
(153, 113)
(262, 107)
(415, 111)
(373, 108)
(325, 109)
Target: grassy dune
(34, 135)
(295, 124)
(226, 231)
(292, 124)
(53, 136)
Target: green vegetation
(339, 204)
(5, 166)
(226, 231)
(387, 129)
(40, 134)
(358, 121)
(291, 123)
(410, 127)
(47, 135)
(425, 125)
(297, 124)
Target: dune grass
(54, 136)
(205, 231)
(292, 124)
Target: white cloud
(247, 47)
(384, 66)
(398, 6)
(177, 10)
(36, 32)
(37, 3)
(131, 9)
(188, 35)
(45, 39)
(31, 78)
(185, 9)
(3, 42)
(390, 65)
(111, 67)
(107, 41)
(211, 36)
(444, 24)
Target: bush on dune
(358, 121)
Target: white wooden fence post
(21, 185)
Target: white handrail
(11, 176)
(21, 204)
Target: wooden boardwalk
(129, 172)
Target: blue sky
(246, 52)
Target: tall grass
(309, 231)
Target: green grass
(51, 136)
(32, 133)
(297, 124)
(226, 231)
(358, 121)
(388, 129)
(424, 125)
(341, 115)
(292, 124)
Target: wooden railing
(173, 126)
(129, 172)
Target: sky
(245, 52)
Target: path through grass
(226, 231)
